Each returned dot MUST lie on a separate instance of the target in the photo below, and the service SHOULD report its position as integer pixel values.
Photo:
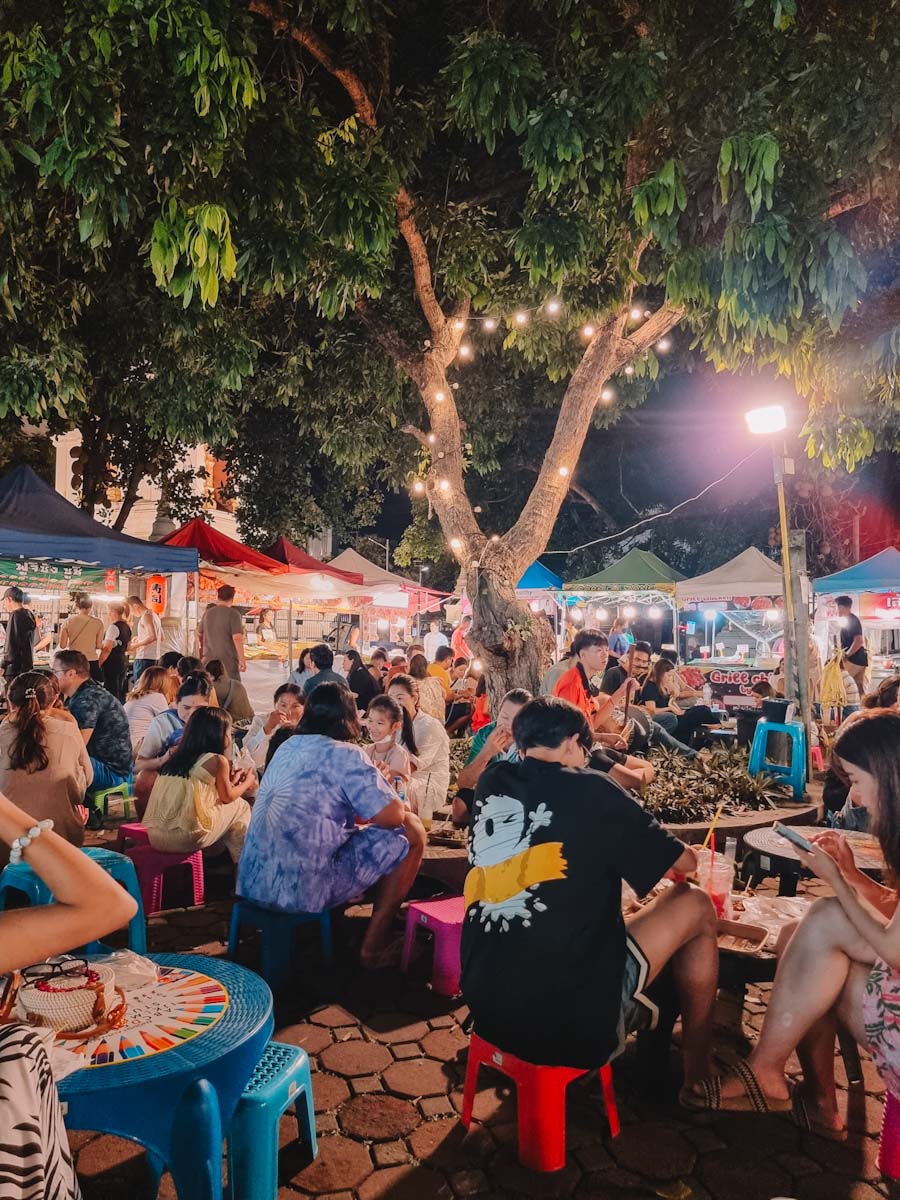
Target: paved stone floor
(389, 1059)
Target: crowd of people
(331, 793)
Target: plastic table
(177, 1103)
(775, 855)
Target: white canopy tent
(749, 573)
(742, 598)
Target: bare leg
(392, 890)
(811, 976)
(816, 1050)
(681, 926)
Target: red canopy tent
(222, 551)
(299, 562)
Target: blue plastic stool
(101, 799)
(281, 1079)
(794, 772)
(277, 930)
(22, 878)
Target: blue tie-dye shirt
(310, 796)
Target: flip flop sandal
(754, 1099)
(389, 956)
(803, 1117)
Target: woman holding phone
(842, 965)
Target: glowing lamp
(439, 396)
(444, 485)
(771, 614)
(476, 664)
(455, 544)
(607, 394)
(564, 471)
(535, 606)
(577, 615)
(431, 439)
(765, 421)
(664, 345)
(629, 611)
(629, 370)
(418, 487)
(521, 317)
(495, 537)
(490, 324)
(465, 350)
(601, 614)
(552, 307)
(587, 331)
(458, 324)
(654, 612)
(636, 314)
(711, 614)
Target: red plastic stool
(889, 1149)
(132, 833)
(818, 760)
(151, 865)
(541, 1095)
(445, 920)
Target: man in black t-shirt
(18, 649)
(550, 970)
(853, 643)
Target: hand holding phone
(795, 838)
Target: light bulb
(455, 544)
(587, 331)
(601, 614)
(439, 396)
(431, 439)
(477, 508)
(664, 344)
(710, 614)
(465, 350)
(418, 487)
(607, 394)
(458, 324)
(629, 611)
(636, 314)
(552, 307)
(489, 324)
(771, 614)
(495, 537)
(564, 471)
(654, 612)
(535, 606)
(476, 664)
(629, 370)
(444, 485)
(521, 317)
(647, 312)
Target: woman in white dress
(431, 782)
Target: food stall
(543, 592)
(731, 623)
(638, 586)
(53, 550)
(874, 587)
(393, 605)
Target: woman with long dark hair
(431, 782)
(304, 851)
(44, 763)
(842, 965)
(198, 800)
(359, 679)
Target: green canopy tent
(638, 578)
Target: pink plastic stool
(818, 760)
(151, 865)
(132, 834)
(541, 1100)
(445, 920)
(889, 1149)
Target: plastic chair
(889, 1147)
(793, 772)
(281, 1080)
(151, 865)
(818, 759)
(541, 1095)
(101, 798)
(20, 877)
(277, 933)
(131, 834)
(445, 920)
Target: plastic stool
(277, 930)
(281, 1080)
(22, 878)
(445, 920)
(794, 773)
(818, 759)
(889, 1148)
(151, 865)
(132, 834)
(101, 799)
(541, 1095)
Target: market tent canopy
(283, 550)
(637, 571)
(539, 578)
(375, 578)
(879, 573)
(219, 550)
(36, 522)
(749, 573)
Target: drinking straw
(712, 867)
(713, 824)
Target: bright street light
(766, 421)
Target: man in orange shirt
(458, 639)
(590, 654)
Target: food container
(737, 938)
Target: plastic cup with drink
(715, 874)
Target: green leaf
(27, 152)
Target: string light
(629, 370)
(459, 324)
(601, 614)
(465, 350)
(418, 487)
(587, 331)
(489, 324)
(439, 396)
(455, 544)
(629, 611)
(664, 344)
(636, 314)
(444, 485)
(521, 317)
(431, 439)
(477, 508)
(553, 307)
(607, 394)
(495, 537)
(564, 471)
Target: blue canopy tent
(874, 587)
(36, 522)
(880, 573)
(539, 578)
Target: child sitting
(393, 741)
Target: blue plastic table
(177, 1103)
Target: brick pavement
(388, 1059)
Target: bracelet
(24, 841)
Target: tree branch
(655, 327)
(390, 341)
(581, 492)
(414, 431)
(421, 265)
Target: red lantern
(157, 591)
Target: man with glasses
(103, 724)
(550, 970)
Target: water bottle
(707, 694)
(731, 848)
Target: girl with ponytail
(44, 764)
(393, 741)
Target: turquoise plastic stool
(281, 1079)
(21, 878)
(277, 930)
(793, 772)
(101, 799)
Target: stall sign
(883, 607)
(156, 594)
(730, 686)
(37, 575)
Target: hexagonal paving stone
(654, 1151)
(444, 1043)
(333, 1016)
(446, 1144)
(405, 1183)
(341, 1164)
(355, 1058)
(396, 1027)
(329, 1092)
(312, 1038)
(378, 1118)
(416, 1077)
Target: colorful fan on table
(178, 1007)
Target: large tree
(451, 178)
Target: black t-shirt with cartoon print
(543, 943)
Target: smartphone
(792, 835)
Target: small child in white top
(393, 742)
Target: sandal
(804, 1118)
(388, 956)
(754, 1099)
